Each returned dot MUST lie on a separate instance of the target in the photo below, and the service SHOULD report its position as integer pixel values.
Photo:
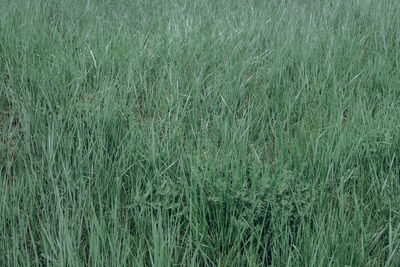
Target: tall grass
(200, 133)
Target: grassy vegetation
(200, 133)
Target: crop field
(200, 133)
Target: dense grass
(211, 133)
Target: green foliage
(200, 133)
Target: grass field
(200, 133)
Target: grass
(200, 133)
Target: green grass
(200, 133)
